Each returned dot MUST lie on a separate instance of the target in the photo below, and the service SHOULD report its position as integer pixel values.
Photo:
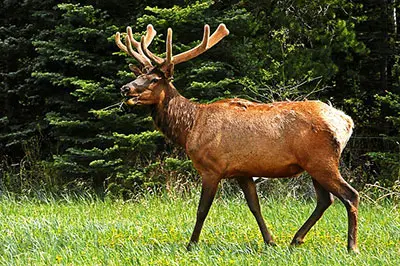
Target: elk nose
(125, 89)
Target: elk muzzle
(125, 89)
(133, 90)
(130, 94)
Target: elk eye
(154, 80)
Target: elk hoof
(354, 250)
(296, 242)
(190, 246)
(271, 243)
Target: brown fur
(175, 117)
(268, 132)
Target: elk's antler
(207, 42)
(144, 55)
(145, 42)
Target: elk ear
(137, 71)
(168, 70)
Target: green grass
(155, 230)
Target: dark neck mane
(175, 115)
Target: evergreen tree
(60, 68)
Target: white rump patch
(340, 124)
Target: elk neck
(174, 116)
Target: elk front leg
(209, 188)
(249, 188)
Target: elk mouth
(131, 99)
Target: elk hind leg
(332, 181)
(324, 200)
(249, 188)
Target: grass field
(155, 229)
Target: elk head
(152, 80)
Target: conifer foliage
(60, 73)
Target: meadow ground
(154, 230)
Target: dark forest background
(60, 69)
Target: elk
(237, 138)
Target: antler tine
(168, 57)
(206, 44)
(129, 40)
(133, 41)
(152, 56)
(145, 60)
(218, 35)
(199, 49)
(150, 34)
(119, 43)
(145, 42)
